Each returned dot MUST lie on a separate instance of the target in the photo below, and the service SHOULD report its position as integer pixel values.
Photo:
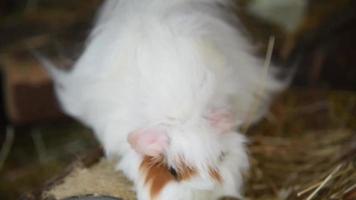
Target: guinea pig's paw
(222, 120)
(149, 141)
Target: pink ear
(149, 141)
(223, 120)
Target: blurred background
(309, 132)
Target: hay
(99, 179)
(316, 165)
(305, 151)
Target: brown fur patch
(158, 174)
(215, 174)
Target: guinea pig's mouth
(157, 174)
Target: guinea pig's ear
(151, 141)
(222, 120)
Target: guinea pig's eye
(173, 172)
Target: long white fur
(167, 63)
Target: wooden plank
(28, 90)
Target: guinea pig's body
(164, 85)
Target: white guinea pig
(165, 84)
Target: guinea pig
(165, 85)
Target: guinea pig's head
(196, 158)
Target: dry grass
(306, 150)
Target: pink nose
(149, 141)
